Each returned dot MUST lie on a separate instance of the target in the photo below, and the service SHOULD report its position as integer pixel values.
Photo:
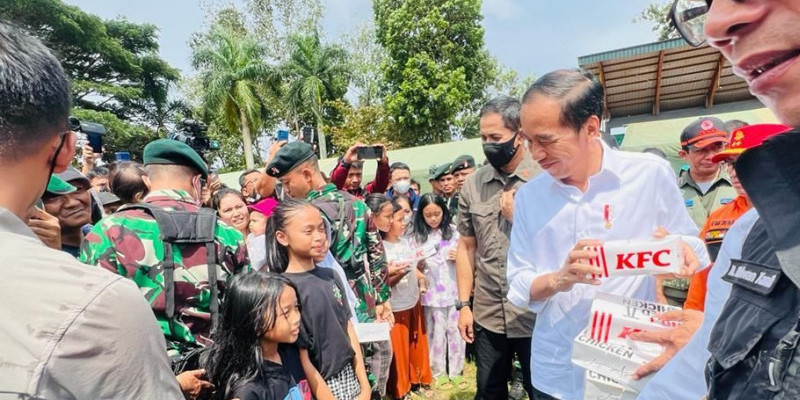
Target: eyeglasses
(689, 18)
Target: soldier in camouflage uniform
(356, 240)
(128, 243)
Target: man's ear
(683, 154)
(67, 153)
(592, 126)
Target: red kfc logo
(639, 259)
(627, 331)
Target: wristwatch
(462, 304)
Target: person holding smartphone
(349, 172)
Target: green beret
(463, 161)
(288, 157)
(443, 170)
(57, 186)
(173, 152)
(432, 172)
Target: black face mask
(500, 154)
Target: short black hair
(656, 151)
(734, 124)
(97, 171)
(580, 93)
(35, 95)
(508, 109)
(244, 175)
(399, 165)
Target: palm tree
(316, 73)
(233, 68)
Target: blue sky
(530, 36)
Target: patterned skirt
(344, 385)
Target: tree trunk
(246, 140)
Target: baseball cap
(72, 174)
(704, 132)
(748, 137)
(57, 186)
(264, 206)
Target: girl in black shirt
(253, 356)
(296, 235)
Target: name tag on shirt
(756, 277)
(689, 203)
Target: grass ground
(455, 393)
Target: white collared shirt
(640, 194)
(687, 367)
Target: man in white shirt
(68, 331)
(590, 193)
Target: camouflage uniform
(128, 243)
(370, 287)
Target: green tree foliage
(437, 65)
(232, 71)
(122, 135)
(113, 64)
(117, 77)
(365, 57)
(315, 73)
(364, 124)
(657, 14)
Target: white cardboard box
(599, 387)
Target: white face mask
(402, 186)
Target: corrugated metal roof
(671, 73)
(631, 51)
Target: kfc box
(599, 387)
(614, 318)
(616, 361)
(637, 257)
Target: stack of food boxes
(604, 348)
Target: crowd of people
(155, 280)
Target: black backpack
(185, 227)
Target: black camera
(88, 132)
(193, 133)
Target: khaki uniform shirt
(479, 216)
(699, 204)
(71, 331)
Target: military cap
(463, 161)
(443, 170)
(173, 152)
(432, 172)
(288, 157)
(57, 186)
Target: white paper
(372, 332)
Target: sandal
(444, 383)
(423, 391)
(459, 382)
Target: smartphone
(96, 141)
(283, 135)
(122, 156)
(369, 152)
